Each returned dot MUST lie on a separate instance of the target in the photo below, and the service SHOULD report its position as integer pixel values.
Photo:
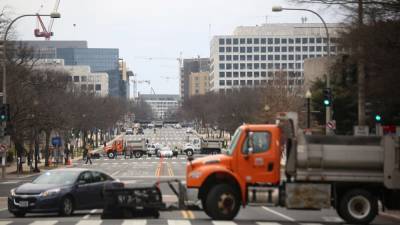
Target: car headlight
(12, 192)
(195, 174)
(50, 192)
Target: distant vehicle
(158, 124)
(165, 151)
(189, 131)
(60, 190)
(178, 126)
(203, 146)
(135, 147)
(152, 149)
(129, 131)
(140, 131)
(150, 126)
(117, 147)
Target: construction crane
(169, 78)
(46, 33)
(179, 59)
(135, 82)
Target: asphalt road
(152, 169)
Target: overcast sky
(155, 28)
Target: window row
(256, 82)
(303, 40)
(291, 74)
(84, 79)
(250, 66)
(266, 57)
(91, 87)
(280, 49)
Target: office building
(189, 66)
(161, 104)
(47, 49)
(198, 83)
(81, 77)
(254, 55)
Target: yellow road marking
(184, 214)
(157, 172)
(190, 214)
(170, 171)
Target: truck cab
(252, 159)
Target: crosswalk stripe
(44, 222)
(311, 223)
(134, 222)
(179, 222)
(268, 223)
(89, 222)
(5, 222)
(223, 222)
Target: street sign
(56, 141)
(361, 130)
(331, 124)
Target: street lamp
(328, 50)
(4, 64)
(308, 97)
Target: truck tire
(110, 155)
(358, 206)
(222, 202)
(204, 206)
(189, 152)
(138, 154)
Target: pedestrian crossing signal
(378, 118)
(4, 113)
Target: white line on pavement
(89, 222)
(311, 224)
(268, 223)
(44, 222)
(91, 212)
(332, 219)
(5, 222)
(278, 214)
(115, 173)
(179, 222)
(223, 222)
(134, 222)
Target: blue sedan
(62, 191)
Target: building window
(249, 82)
(221, 74)
(290, 40)
(284, 66)
(298, 40)
(256, 82)
(76, 78)
(291, 48)
(277, 41)
(228, 49)
(222, 82)
(221, 49)
(242, 66)
(270, 74)
(319, 40)
(256, 49)
(305, 40)
(235, 49)
(298, 57)
(242, 41)
(235, 57)
(98, 87)
(312, 49)
(235, 82)
(263, 40)
(249, 49)
(249, 57)
(270, 49)
(277, 66)
(270, 65)
(242, 74)
(305, 49)
(83, 78)
(242, 57)
(229, 82)
(263, 74)
(305, 57)
(235, 66)
(319, 48)
(249, 74)
(83, 87)
(235, 41)
(284, 40)
(235, 74)
(249, 41)
(270, 41)
(91, 87)
(249, 66)
(242, 49)
(256, 65)
(284, 57)
(228, 74)
(263, 66)
(263, 57)
(256, 57)
(221, 57)
(312, 40)
(228, 41)
(228, 58)
(256, 74)
(284, 49)
(291, 57)
(263, 49)
(221, 66)
(256, 41)
(228, 66)
(277, 57)
(221, 41)
(242, 82)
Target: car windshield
(234, 141)
(57, 177)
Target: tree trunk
(46, 148)
(20, 149)
(37, 152)
(361, 70)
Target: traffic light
(327, 97)
(4, 113)
(378, 118)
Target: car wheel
(358, 207)
(138, 154)
(189, 153)
(110, 155)
(67, 206)
(19, 214)
(148, 155)
(223, 202)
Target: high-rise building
(254, 55)
(189, 66)
(161, 104)
(198, 83)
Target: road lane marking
(179, 222)
(44, 222)
(134, 222)
(115, 173)
(311, 223)
(5, 222)
(223, 222)
(184, 214)
(3, 209)
(332, 219)
(278, 214)
(88, 215)
(190, 214)
(268, 223)
(88, 222)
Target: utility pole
(361, 70)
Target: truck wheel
(358, 207)
(189, 152)
(138, 154)
(110, 155)
(223, 202)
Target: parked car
(165, 152)
(152, 149)
(62, 191)
(129, 131)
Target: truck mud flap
(128, 202)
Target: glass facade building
(99, 60)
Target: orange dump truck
(117, 147)
(350, 174)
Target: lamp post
(328, 50)
(4, 64)
(308, 97)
